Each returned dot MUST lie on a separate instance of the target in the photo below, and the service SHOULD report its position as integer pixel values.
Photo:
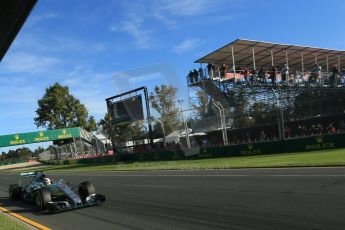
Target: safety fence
(313, 143)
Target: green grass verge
(305, 159)
(8, 224)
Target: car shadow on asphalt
(20, 207)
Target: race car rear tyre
(14, 192)
(85, 189)
(42, 197)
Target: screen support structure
(147, 105)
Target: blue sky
(95, 47)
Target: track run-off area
(287, 198)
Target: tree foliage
(59, 109)
(23, 152)
(163, 100)
(38, 151)
(201, 104)
(104, 127)
(123, 132)
(129, 131)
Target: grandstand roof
(243, 54)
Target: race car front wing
(60, 206)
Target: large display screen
(127, 110)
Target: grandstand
(260, 91)
(260, 97)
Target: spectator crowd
(274, 75)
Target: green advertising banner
(40, 136)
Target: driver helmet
(47, 181)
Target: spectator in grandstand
(320, 128)
(190, 77)
(223, 70)
(273, 75)
(204, 142)
(334, 76)
(254, 76)
(262, 136)
(285, 74)
(313, 130)
(262, 75)
(201, 73)
(301, 130)
(246, 74)
(331, 128)
(340, 77)
(195, 75)
(248, 137)
(287, 132)
(317, 74)
(210, 70)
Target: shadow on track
(20, 206)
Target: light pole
(180, 102)
(185, 124)
(163, 129)
(280, 116)
(222, 121)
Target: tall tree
(201, 104)
(163, 100)
(103, 126)
(37, 151)
(123, 132)
(24, 152)
(59, 109)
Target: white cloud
(58, 44)
(41, 17)
(91, 87)
(136, 30)
(187, 45)
(28, 63)
(167, 21)
(187, 7)
(75, 44)
(137, 19)
(169, 12)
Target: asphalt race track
(297, 198)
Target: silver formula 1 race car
(53, 196)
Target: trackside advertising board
(41, 136)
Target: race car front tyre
(14, 192)
(42, 197)
(85, 189)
